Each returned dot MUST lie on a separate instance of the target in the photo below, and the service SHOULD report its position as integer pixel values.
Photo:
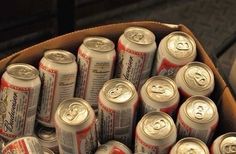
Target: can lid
(118, 90)
(161, 89)
(180, 45)
(198, 76)
(100, 44)
(46, 134)
(22, 71)
(157, 125)
(139, 35)
(228, 143)
(200, 109)
(192, 146)
(119, 144)
(59, 56)
(74, 111)
(47, 151)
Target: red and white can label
(117, 150)
(166, 68)
(17, 115)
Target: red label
(167, 68)
(18, 146)
(117, 150)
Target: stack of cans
(143, 98)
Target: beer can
(155, 133)
(189, 145)
(47, 151)
(174, 51)
(224, 144)
(136, 50)
(113, 147)
(159, 93)
(195, 78)
(96, 59)
(23, 145)
(58, 70)
(20, 88)
(198, 117)
(75, 127)
(2, 143)
(117, 111)
(47, 137)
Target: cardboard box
(221, 95)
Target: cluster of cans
(113, 101)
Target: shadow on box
(71, 41)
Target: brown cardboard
(71, 42)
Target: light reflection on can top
(139, 35)
(74, 111)
(46, 134)
(118, 90)
(180, 45)
(22, 71)
(200, 109)
(59, 56)
(157, 125)
(161, 88)
(100, 44)
(228, 143)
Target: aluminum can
(23, 145)
(47, 151)
(174, 51)
(198, 117)
(117, 110)
(136, 50)
(189, 145)
(159, 93)
(75, 127)
(96, 59)
(58, 70)
(224, 144)
(20, 89)
(2, 143)
(47, 137)
(113, 147)
(155, 133)
(195, 78)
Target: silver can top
(161, 89)
(180, 45)
(139, 35)
(46, 134)
(22, 71)
(198, 76)
(47, 151)
(200, 109)
(228, 143)
(157, 125)
(74, 111)
(118, 90)
(100, 44)
(191, 145)
(59, 56)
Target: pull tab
(229, 149)
(137, 36)
(158, 89)
(24, 72)
(59, 56)
(99, 44)
(199, 114)
(73, 111)
(158, 124)
(200, 78)
(191, 151)
(116, 91)
(182, 45)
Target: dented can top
(22, 71)
(180, 45)
(191, 145)
(157, 125)
(139, 35)
(100, 44)
(200, 109)
(74, 111)
(228, 143)
(59, 56)
(198, 76)
(118, 90)
(46, 134)
(161, 88)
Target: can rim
(106, 40)
(69, 54)
(42, 139)
(112, 142)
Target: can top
(228, 142)
(100, 44)
(74, 111)
(47, 151)
(198, 76)
(157, 125)
(200, 109)
(161, 89)
(46, 134)
(116, 143)
(59, 56)
(139, 35)
(118, 90)
(191, 145)
(22, 71)
(180, 45)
